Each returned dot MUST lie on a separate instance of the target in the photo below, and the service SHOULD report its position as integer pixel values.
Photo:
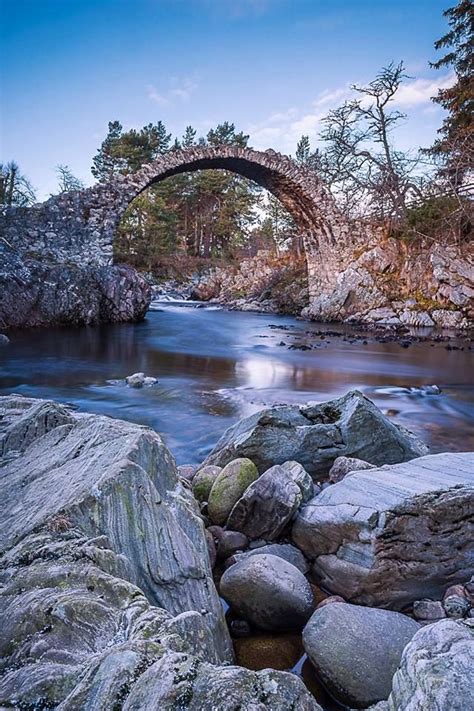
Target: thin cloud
(420, 91)
(181, 91)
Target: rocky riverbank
(388, 282)
(326, 524)
(34, 293)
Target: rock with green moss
(179, 681)
(203, 481)
(229, 486)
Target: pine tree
(107, 162)
(303, 150)
(456, 142)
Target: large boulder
(228, 487)
(103, 559)
(356, 650)
(393, 535)
(436, 671)
(269, 592)
(179, 681)
(37, 294)
(314, 435)
(267, 505)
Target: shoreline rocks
(269, 592)
(315, 435)
(356, 650)
(38, 294)
(392, 535)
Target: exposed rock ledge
(38, 294)
(106, 597)
(389, 536)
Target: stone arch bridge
(79, 227)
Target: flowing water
(214, 366)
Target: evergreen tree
(456, 142)
(303, 150)
(107, 163)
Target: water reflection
(214, 367)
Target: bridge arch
(80, 227)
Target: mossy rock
(203, 481)
(229, 487)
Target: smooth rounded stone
(343, 465)
(269, 592)
(186, 471)
(314, 435)
(356, 650)
(258, 543)
(436, 670)
(283, 550)
(300, 476)
(267, 505)
(179, 681)
(203, 481)
(330, 601)
(4, 340)
(231, 542)
(228, 487)
(265, 651)
(456, 606)
(428, 610)
(374, 526)
(139, 380)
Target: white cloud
(181, 90)
(419, 91)
(282, 130)
(154, 96)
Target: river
(214, 366)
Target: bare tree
(360, 162)
(66, 180)
(15, 188)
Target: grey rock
(179, 681)
(203, 481)
(138, 380)
(283, 550)
(428, 610)
(456, 606)
(34, 294)
(230, 542)
(186, 471)
(301, 477)
(228, 487)
(356, 650)
(314, 435)
(4, 340)
(78, 492)
(267, 505)
(374, 526)
(436, 671)
(269, 592)
(344, 465)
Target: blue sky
(273, 67)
